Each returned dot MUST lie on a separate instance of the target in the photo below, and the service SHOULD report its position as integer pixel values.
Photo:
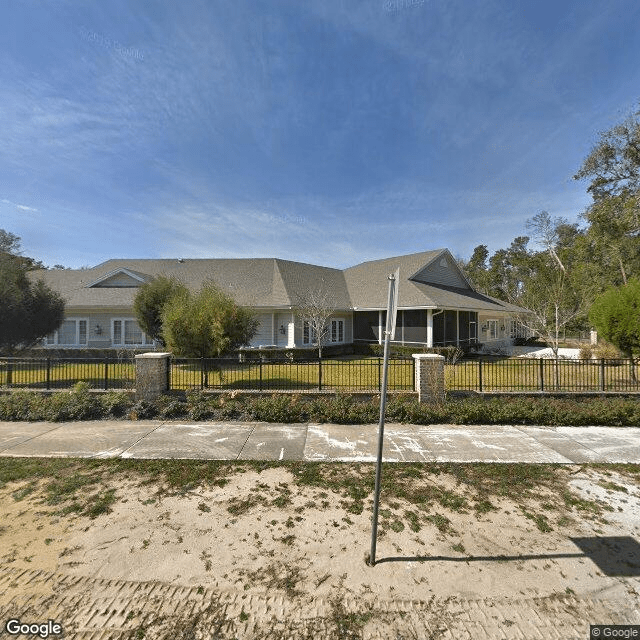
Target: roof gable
(442, 270)
(120, 278)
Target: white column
(429, 327)
(380, 327)
(291, 342)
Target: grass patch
(412, 493)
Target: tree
(476, 268)
(554, 290)
(315, 308)
(150, 302)
(29, 311)
(207, 324)
(613, 165)
(9, 242)
(615, 234)
(613, 169)
(616, 316)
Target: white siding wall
(264, 335)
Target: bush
(115, 404)
(607, 351)
(143, 410)
(77, 404)
(277, 408)
(18, 405)
(586, 352)
(170, 407)
(451, 353)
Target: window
(337, 331)
(308, 333)
(492, 332)
(125, 332)
(71, 333)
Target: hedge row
(80, 404)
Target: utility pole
(392, 308)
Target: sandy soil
(313, 547)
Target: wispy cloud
(20, 207)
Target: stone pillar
(593, 338)
(429, 382)
(152, 374)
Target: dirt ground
(262, 535)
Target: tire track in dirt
(102, 609)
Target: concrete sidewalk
(319, 442)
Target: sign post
(389, 334)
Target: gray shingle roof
(271, 282)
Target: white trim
(146, 340)
(116, 272)
(56, 336)
(337, 331)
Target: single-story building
(437, 305)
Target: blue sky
(323, 131)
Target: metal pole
(383, 403)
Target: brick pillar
(151, 375)
(429, 382)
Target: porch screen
(366, 325)
(450, 327)
(414, 326)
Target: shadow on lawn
(615, 556)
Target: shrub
(77, 404)
(199, 406)
(142, 410)
(607, 351)
(170, 407)
(115, 404)
(277, 408)
(586, 352)
(18, 405)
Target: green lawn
(63, 375)
(348, 374)
(519, 374)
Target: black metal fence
(361, 374)
(63, 373)
(541, 374)
(321, 375)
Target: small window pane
(132, 332)
(117, 332)
(82, 332)
(67, 332)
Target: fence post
(429, 377)
(48, 373)
(260, 368)
(106, 374)
(319, 374)
(541, 373)
(201, 373)
(480, 375)
(601, 375)
(151, 375)
(380, 375)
